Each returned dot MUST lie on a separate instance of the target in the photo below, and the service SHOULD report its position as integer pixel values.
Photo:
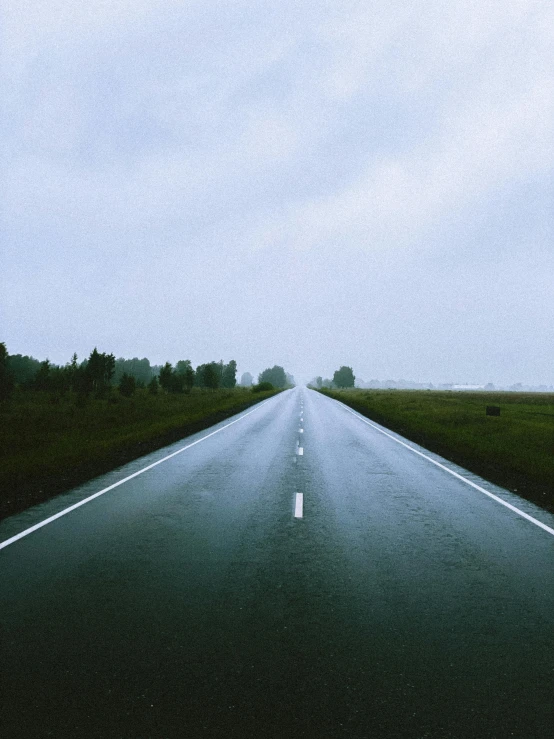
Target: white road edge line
(455, 474)
(298, 506)
(46, 521)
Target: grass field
(515, 449)
(49, 444)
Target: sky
(304, 183)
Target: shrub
(262, 387)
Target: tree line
(101, 371)
(276, 376)
(342, 378)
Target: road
(204, 598)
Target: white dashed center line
(300, 451)
(299, 505)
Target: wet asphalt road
(191, 602)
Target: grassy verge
(515, 449)
(48, 445)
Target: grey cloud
(303, 185)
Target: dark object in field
(493, 410)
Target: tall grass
(515, 449)
(50, 443)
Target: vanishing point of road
(295, 571)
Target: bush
(262, 387)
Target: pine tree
(6, 377)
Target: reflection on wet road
(296, 574)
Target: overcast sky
(303, 183)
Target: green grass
(515, 450)
(48, 444)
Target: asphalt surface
(190, 601)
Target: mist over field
(304, 184)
